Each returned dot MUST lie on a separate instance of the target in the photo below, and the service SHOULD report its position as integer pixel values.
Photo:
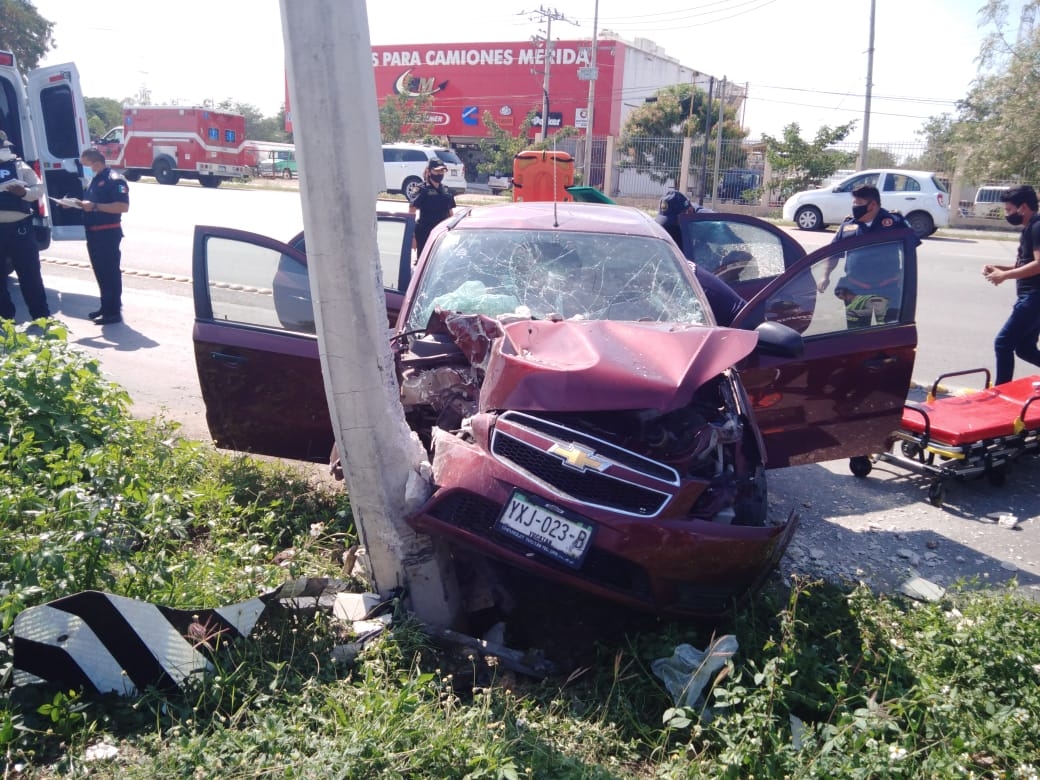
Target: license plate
(547, 528)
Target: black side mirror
(779, 340)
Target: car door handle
(224, 357)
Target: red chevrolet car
(586, 418)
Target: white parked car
(920, 196)
(404, 163)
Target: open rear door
(60, 120)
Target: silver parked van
(987, 201)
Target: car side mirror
(778, 340)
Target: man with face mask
(867, 217)
(19, 189)
(433, 201)
(1022, 329)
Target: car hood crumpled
(598, 365)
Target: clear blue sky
(802, 60)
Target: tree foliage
(102, 115)
(940, 151)
(24, 32)
(799, 164)
(405, 118)
(998, 120)
(652, 135)
(499, 149)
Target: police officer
(19, 189)
(433, 201)
(867, 217)
(106, 200)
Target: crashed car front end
(619, 458)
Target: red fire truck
(177, 142)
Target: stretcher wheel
(936, 493)
(997, 475)
(910, 450)
(860, 465)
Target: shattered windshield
(552, 274)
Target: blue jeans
(1018, 336)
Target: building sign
(468, 82)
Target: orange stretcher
(964, 436)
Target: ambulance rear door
(60, 122)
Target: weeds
(829, 682)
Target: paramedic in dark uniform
(433, 201)
(106, 200)
(19, 190)
(723, 299)
(1019, 334)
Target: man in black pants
(106, 200)
(19, 189)
(433, 201)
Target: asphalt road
(879, 530)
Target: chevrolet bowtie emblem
(579, 458)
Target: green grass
(830, 681)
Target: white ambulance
(43, 115)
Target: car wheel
(809, 218)
(164, 173)
(411, 186)
(922, 223)
(751, 504)
(132, 176)
(286, 174)
(209, 181)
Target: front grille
(590, 487)
(620, 455)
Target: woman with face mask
(1022, 329)
(433, 201)
(19, 190)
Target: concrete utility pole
(864, 143)
(586, 167)
(333, 95)
(718, 142)
(549, 14)
(707, 136)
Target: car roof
(907, 171)
(563, 216)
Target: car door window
(859, 181)
(734, 251)
(900, 182)
(252, 284)
(860, 288)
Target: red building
(466, 80)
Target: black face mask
(1014, 218)
(436, 178)
(859, 211)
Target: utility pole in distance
(864, 144)
(586, 167)
(549, 14)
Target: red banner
(466, 80)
